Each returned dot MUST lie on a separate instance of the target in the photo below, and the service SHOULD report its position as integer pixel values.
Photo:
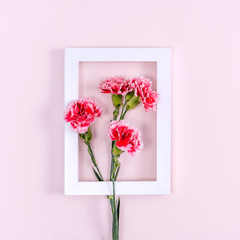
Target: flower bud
(133, 102)
(117, 100)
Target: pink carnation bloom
(115, 85)
(151, 101)
(81, 113)
(127, 138)
(142, 87)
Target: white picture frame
(162, 56)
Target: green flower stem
(115, 167)
(113, 211)
(112, 163)
(94, 160)
(123, 111)
(123, 115)
(112, 160)
(115, 222)
(115, 113)
(114, 206)
(115, 164)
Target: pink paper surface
(204, 37)
(143, 165)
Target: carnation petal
(80, 113)
(127, 138)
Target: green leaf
(118, 210)
(97, 176)
(116, 223)
(117, 173)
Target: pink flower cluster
(81, 113)
(115, 85)
(141, 86)
(127, 138)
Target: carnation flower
(127, 138)
(151, 101)
(115, 85)
(142, 87)
(81, 113)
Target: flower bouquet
(126, 95)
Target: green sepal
(82, 136)
(88, 135)
(129, 96)
(133, 102)
(116, 151)
(115, 113)
(117, 100)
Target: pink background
(143, 165)
(204, 36)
